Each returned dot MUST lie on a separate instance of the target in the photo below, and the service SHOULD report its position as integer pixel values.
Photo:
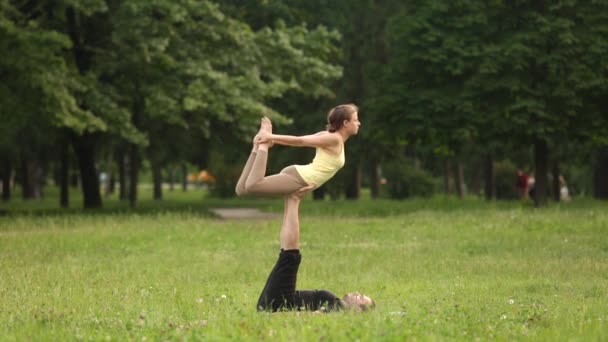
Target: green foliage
(163, 75)
(36, 88)
(502, 75)
(226, 178)
(432, 77)
(406, 181)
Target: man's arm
(318, 301)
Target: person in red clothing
(521, 184)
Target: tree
(491, 72)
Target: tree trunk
(134, 155)
(488, 175)
(184, 177)
(40, 180)
(6, 179)
(133, 174)
(374, 181)
(122, 176)
(64, 174)
(319, 194)
(447, 175)
(85, 149)
(84, 146)
(158, 181)
(600, 177)
(111, 183)
(459, 180)
(555, 182)
(540, 163)
(28, 179)
(74, 179)
(476, 178)
(171, 178)
(353, 187)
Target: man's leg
(280, 287)
(290, 230)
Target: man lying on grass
(280, 290)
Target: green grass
(439, 269)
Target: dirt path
(242, 213)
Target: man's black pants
(280, 290)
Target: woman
(343, 121)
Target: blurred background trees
(454, 96)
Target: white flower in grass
(511, 301)
(223, 297)
(503, 317)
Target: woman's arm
(321, 139)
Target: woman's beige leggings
(252, 180)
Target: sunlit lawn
(438, 269)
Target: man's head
(358, 302)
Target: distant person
(521, 184)
(531, 187)
(280, 292)
(564, 194)
(343, 122)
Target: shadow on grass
(197, 202)
(201, 207)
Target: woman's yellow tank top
(323, 167)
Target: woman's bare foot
(265, 126)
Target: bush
(226, 178)
(403, 180)
(505, 175)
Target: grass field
(439, 269)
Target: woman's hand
(264, 137)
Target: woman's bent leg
(284, 183)
(240, 186)
(258, 168)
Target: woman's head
(358, 302)
(343, 117)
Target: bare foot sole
(266, 124)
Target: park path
(242, 213)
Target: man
(521, 184)
(280, 290)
